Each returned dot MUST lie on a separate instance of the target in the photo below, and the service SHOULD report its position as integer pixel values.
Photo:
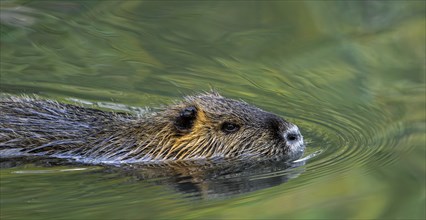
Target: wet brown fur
(44, 127)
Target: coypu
(206, 126)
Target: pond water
(350, 74)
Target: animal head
(210, 125)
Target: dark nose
(292, 136)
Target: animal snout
(293, 135)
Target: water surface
(350, 74)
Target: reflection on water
(210, 180)
(203, 179)
(350, 74)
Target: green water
(350, 74)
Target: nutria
(206, 126)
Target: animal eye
(229, 127)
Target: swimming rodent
(205, 126)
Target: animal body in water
(205, 126)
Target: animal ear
(186, 118)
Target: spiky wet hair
(203, 126)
